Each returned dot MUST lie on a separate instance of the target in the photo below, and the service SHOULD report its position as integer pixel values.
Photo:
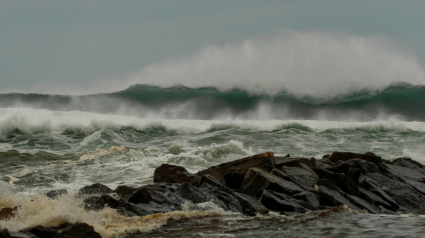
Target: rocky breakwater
(263, 183)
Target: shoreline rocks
(262, 183)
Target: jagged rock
(56, 193)
(409, 163)
(96, 188)
(374, 199)
(4, 233)
(191, 193)
(294, 162)
(146, 209)
(7, 213)
(214, 174)
(339, 168)
(365, 166)
(250, 205)
(309, 198)
(402, 173)
(354, 174)
(370, 186)
(41, 232)
(344, 156)
(406, 197)
(125, 192)
(92, 203)
(281, 202)
(234, 172)
(225, 200)
(78, 230)
(167, 173)
(332, 197)
(106, 200)
(362, 204)
(303, 177)
(341, 180)
(258, 179)
(157, 194)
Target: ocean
(50, 142)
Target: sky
(75, 45)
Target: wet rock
(281, 202)
(374, 199)
(8, 213)
(225, 200)
(310, 198)
(214, 174)
(78, 230)
(344, 156)
(339, 168)
(234, 172)
(147, 209)
(92, 203)
(56, 193)
(191, 193)
(151, 193)
(294, 162)
(41, 232)
(341, 180)
(365, 166)
(362, 204)
(4, 233)
(302, 176)
(331, 198)
(258, 179)
(354, 174)
(250, 205)
(125, 192)
(406, 197)
(106, 200)
(409, 163)
(370, 186)
(22, 235)
(96, 188)
(402, 173)
(167, 173)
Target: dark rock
(78, 230)
(106, 200)
(92, 203)
(225, 200)
(340, 168)
(362, 204)
(125, 192)
(191, 193)
(234, 172)
(214, 174)
(354, 174)
(366, 167)
(281, 202)
(96, 188)
(41, 232)
(56, 193)
(167, 173)
(374, 199)
(409, 163)
(303, 177)
(331, 198)
(147, 194)
(406, 197)
(294, 162)
(22, 235)
(309, 198)
(403, 173)
(341, 180)
(250, 206)
(147, 209)
(8, 213)
(4, 233)
(258, 179)
(344, 156)
(370, 186)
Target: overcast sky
(81, 43)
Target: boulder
(294, 162)
(407, 198)
(106, 200)
(8, 213)
(370, 186)
(374, 199)
(344, 156)
(96, 188)
(167, 173)
(258, 179)
(125, 192)
(281, 202)
(214, 174)
(331, 198)
(41, 232)
(310, 198)
(341, 180)
(4, 233)
(362, 204)
(191, 193)
(78, 230)
(302, 176)
(56, 193)
(409, 163)
(234, 172)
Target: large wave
(402, 101)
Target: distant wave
(402, 101)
